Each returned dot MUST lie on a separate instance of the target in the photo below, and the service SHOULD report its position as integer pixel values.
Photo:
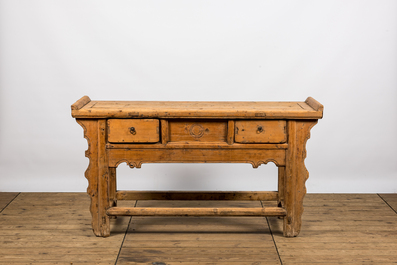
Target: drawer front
(197, 131)
(259, 131)
(133, 131)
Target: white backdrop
(342, 53)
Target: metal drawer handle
(132, 130)
(259, 129)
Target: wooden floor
(54, 228)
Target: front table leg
(296, 175)
(97, 174)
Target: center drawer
(197, 131)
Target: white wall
(342, 53)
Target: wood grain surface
(55, 228)
(310, 109)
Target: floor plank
(55, 227)
(6, 198)
(346, 229)
(198, 240)
(391, 200)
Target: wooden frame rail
(137, 211)
(198, 195)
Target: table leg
(281, 183)
(112, 187)
(97, 174)
(296, 175)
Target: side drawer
(260, 131)
(133, 131)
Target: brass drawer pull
(132, 130)
(259, 129)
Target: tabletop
(308, 109)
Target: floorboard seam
(274, 242)
(387, 203)
(125, 235)
(9, 203)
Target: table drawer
(260, 131)
(133, 131)
(197, 131)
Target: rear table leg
(281, 183)
(112, 187)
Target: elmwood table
(139, 132)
